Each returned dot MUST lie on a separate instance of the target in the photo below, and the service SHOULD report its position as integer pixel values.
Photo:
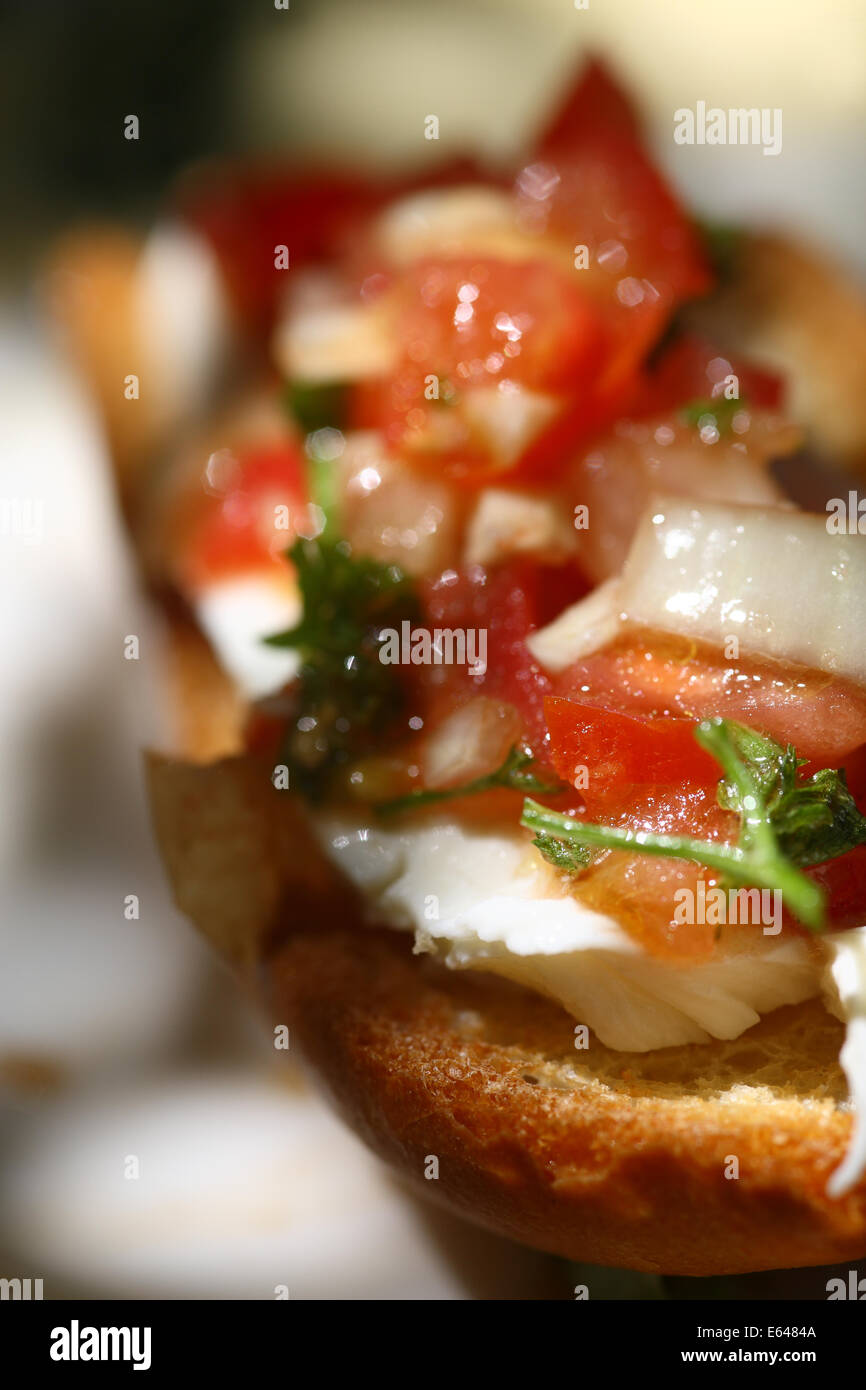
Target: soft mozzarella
(236, 614)
(776, 580)
(846, 996)
(488, 903)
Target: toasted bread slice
(793, 309)
(608, 1157)
(613, 1158)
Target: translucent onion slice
(776, 580)
(505, 418)
(582, 628)
(449, 222)
(336, 342)
(472, 742)
(393, 513)
(638, 459)
(507, 522)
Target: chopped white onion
(470, 743)
(506, 418)
(336, 342)
(506, 523)
(395, 513)
(447, 221)
(639, 459)
(778, 581)
(585, 626)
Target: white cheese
(485, 901)
(846, 997)
(235, 614)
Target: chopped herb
(316, 406)
(513, 773)
(723, 245)
(785, 825)
(569, 858)
(447, 392)
(813, 821)
(716, 410)
(345, 697)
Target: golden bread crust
(552, 1147)
(613, 1158)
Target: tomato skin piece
(475, 322)
(844, 882)
(622, 751)
(593, 105)
(689, 370)
(598, 188)
(507, 603)
(658, 674)
(232, 529)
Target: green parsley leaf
(716, 410)
(513, 772)
(819, 820)
(785, 825)
(723, 245)
(316, 406)
(569, 858)
(345, 697)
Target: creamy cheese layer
(237, 613)
(485, 901)
(845, 996)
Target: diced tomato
(844, 881)
(664, 676)
(235, 522)
(594, 106)
(626, 714)
(639, 890)
(481, 323)
(507, 604)
(597, 188)
(693, 369)
(246, 213)
(608, 755)
(578, 333)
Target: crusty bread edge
(636, 1181)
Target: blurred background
(123, 1049)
